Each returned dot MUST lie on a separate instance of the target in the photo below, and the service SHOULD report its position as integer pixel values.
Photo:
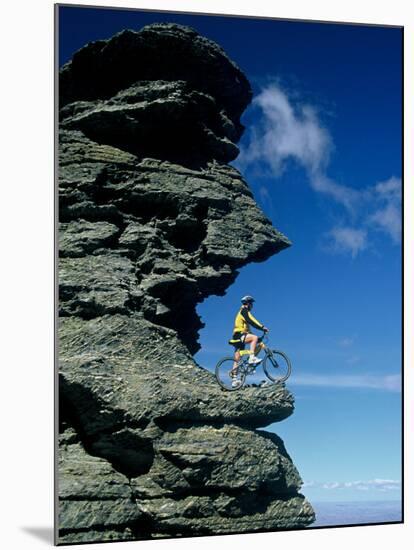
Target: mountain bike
(276, 366)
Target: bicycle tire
(222, 372)
(277, 366)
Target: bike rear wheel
(276, 366)
(223, 369)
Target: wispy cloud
(346, 342)
(383, 485)
(387, 216)
(289, 131)
(286, 134)
(265, 196)
(348, 197)
(348, 240)
(389, 383)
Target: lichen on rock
(153, 221)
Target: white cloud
(286, 134)
(307, 484)
(348, 239)
(387, 216)
(342, 194)
(389, 383)
(382, 485)
(346, 342)
(289, 131)
(265, 196)
(389, 220)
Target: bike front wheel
(276, 366)
(223, 374)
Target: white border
(27, 270)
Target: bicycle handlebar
(263, 336)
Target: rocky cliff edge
(152, 220)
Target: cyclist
(242, 335)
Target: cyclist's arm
(248, 317)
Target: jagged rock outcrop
(152, 221)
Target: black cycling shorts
(238, 340)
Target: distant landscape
(355, 513)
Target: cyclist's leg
(237, 355)
(251, 339)
(236, 360)
(237, 347)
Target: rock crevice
(153, 221)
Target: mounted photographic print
(229, 272)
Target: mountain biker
(242, 334)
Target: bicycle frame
(276, 365)
(261, 345)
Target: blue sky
(322, 154)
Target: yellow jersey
(243, 321)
